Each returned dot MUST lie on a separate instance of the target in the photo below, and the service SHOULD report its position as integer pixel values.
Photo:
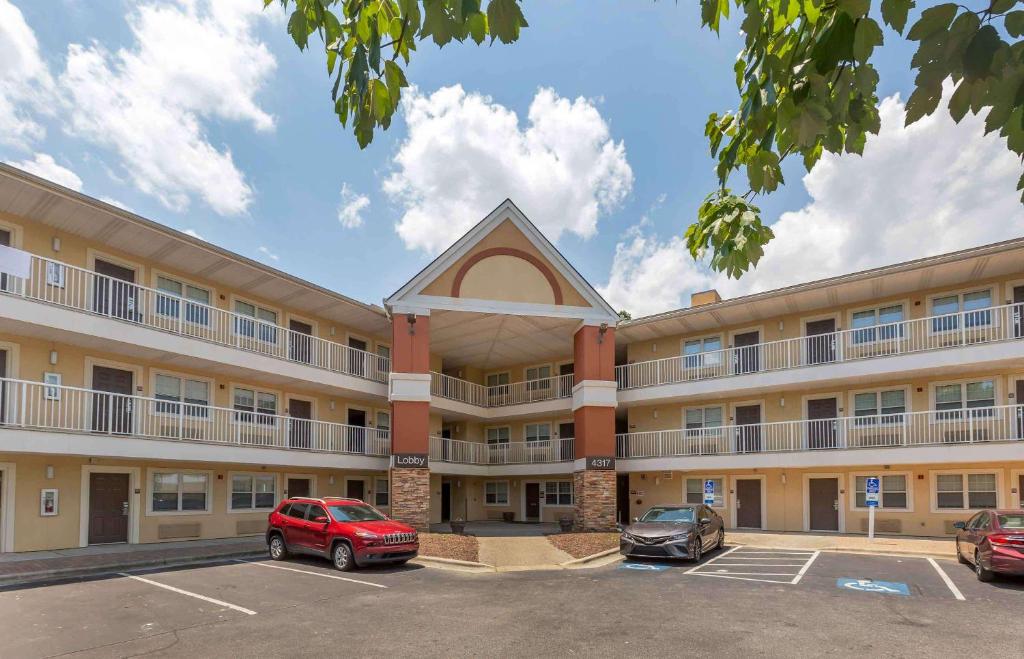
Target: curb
(593, 558)
(46, 576)
(865, 552)
(453, 564)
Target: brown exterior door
(823, 497)
(357, 360)
(821, 430)
(3, 386)
(622, 498)
(113, 412)
(566, 431)
(748, 434)
(114, 294)
(298, 487)
(355, 490)
(1020, 418)
(5, 240)
(745, 353)
(356, 431)
(821, 341)
(108, 508)
(300, 342)
(565, 388)
(533, 501)
(1018, 311)
(748, 503)
(300, 430)
(446, 501)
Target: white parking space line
(807, 566)
(211, 600)
(740, 563)
(315, 574)
(949, 582)
(720, 556)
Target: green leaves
(504, 19)
(730, 227)
(895, 12)
(866, 36)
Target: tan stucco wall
(468, 498)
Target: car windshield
(355, 513)
(1011, 521)
(668, 515)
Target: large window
(951, 399)
(263, 325)
(381, 493)
(892, 492)
(974, 305)
(496, 493)
(886, 407)
(538, 377)
(179, 491)
(965, 491)
(497, 379)
(883, 323)
(538, 432)
(703, 352)
(703, 418)
(195, 300)
(256, 406)
(558, 493)
(695, 491)
(253, 491)
(499, 435)
(195, 394)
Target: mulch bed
(580, 545)
(449, 545)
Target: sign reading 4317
(601, 463)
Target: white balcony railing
(931, 428)
(63, 285)
(478, 453)
(502, 395)
(968, 328)
(38, 406)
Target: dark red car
(347, 531)
(993, 542)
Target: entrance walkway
(500, 529)
(938, 547)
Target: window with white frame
(558, 493)
(52, 389)
(965, 491)
(538, 377)
(383, 421)
(253, 491)
(883, 323)
(497, 379)
(974, 305)
(256, 406)
(195, 394)
(179, 491)
(499, 435)
(538, 432)
(951, 399)
(698, 353)
(381, 493)
(880, 407)
(177, 295)
(496, 493)
(695, 491)
(384, 351)
(263, 325)
(892, 492)
(703, 418)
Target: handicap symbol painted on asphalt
(871, 586)
(651, 567)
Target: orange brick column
(593, 403)
(409, 393)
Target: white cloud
(192, 62)
(115, 202)
(350, 212)
(265, 251)
(931, 188)
(195, 234)
(464, 154)
(44, 166)
(24, 80)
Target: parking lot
(740, 601)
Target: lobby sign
(409, 461)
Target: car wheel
(278, 550)
(979, 569)
(960, 556)
(342, 557)
(721, 539)
(698, 550)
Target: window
(497, 379)
(695, 491)
(499, 435)
(871, 325)
(538, 432)
(264, 323)
(196, 301)
(298, 510)
(383, 421)
(179, 491)
(703, 352)
(952, 398)
(965, 491)
(315, 511)
(974, 305)
(496, 493)
(254, 492)
(381, 493)
(892, 491)
(384, 351)
(55, 274)
(558, 493)
(538, 377)
(260, 406)
(872, 407)
(703, 418)
(194, 393)
(52, 389)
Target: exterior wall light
(411, 319)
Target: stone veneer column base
(594, 494)
(410, 497)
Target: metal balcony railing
(931, 428)
(46, 407)
(967, 328)
(502, 395)
(68, 286)
(479, 453)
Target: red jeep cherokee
(347, 531)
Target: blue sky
(644, 69)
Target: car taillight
(1006, 540)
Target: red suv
(347, 531)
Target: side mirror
(320, 520)
(959, 525)
(705, 520)
(636, 519)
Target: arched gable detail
(507, 251)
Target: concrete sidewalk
(521, 553)
(910, 546)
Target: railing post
(22, 405)
(970, 426)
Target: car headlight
(679, 536)
(369, 535)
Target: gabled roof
(410, 297)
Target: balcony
(773, 444)
(505, 399)
(551, 456)
(68, 287)
(908, 339)
(168, 426)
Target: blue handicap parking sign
(649, 567)
(871, 586)
(709, 492)
(872, 487)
